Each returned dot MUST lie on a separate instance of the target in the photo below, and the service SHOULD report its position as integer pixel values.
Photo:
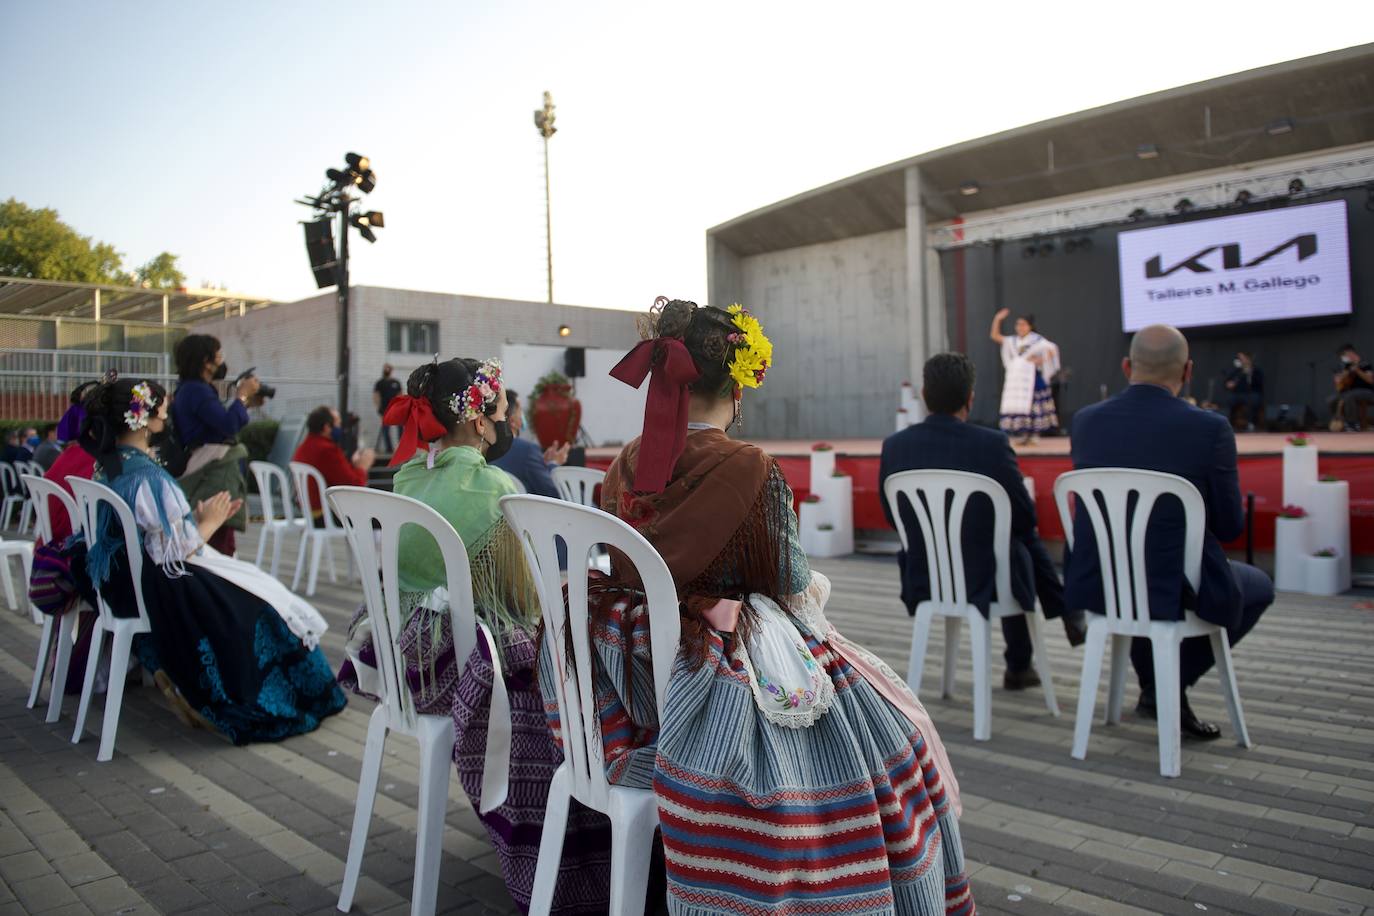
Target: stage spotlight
(1183, 206)
(969, 188)
(363, 226)
(367, 180)
(1147, 151)
(357, 163)
(339, 178)
(1296, 186)
(1137, 214)
(1029, 251)
(1243, 197)
(1279, 126)
(564, 330)
(372, 218)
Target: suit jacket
(944, 442)
(1147, 427)
(525, 462)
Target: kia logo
(1306, 246)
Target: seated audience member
(230, 646)
(946, 441)
(1354, 382)
(14, 449)
(1148, 426)
(48, 448)
(1245, 384)
(453, 418)
(798, 773)
(524, 461)
(319, 450)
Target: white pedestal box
(1324, 576)
(1299, 470)
(835, 511)
(1291, 552)
(1328, 511)
(822, 466)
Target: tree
(160, 273)
(37, 244)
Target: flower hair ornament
(474, 401)
(142, 405)
(754, 351)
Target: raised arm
(995, 332)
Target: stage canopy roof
(60, 299)
(1292, 108)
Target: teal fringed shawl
(138, 469)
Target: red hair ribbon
(670, 369)
(419, 425)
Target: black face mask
(503, 440)
(221, 372)
(160, 437)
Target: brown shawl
(714, 524)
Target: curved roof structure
(64, 299)
(1287, 109)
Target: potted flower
(1324, 572)
(1329, 478)
(822, 460)
(825, 526)
(811, 498)
(555, 412)
(1299, 467)
(822, 447)
(1298, 440)
(1290, 549)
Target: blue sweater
(201, 419)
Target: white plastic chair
(89, 497)
(317, 539)
(538, 522)
(577, 485)
(40, 490)
(1125, 595)
(27, 469)
(13, 492)
(942, 531)
(376, 551)
(274, 525)
(23, 549)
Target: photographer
(207, 428)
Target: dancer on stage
(1031, 362)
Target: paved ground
(180, 821)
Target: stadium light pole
(336, 199)
(543, 120)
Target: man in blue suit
(524, 461)
(945, 441)
(1148, 426)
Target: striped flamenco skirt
(848, 816)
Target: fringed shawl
(460, 486)
(137, 469)
(720, 526)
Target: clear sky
(192, 126)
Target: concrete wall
(298, 340)
(837, 315)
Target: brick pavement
(180, 821)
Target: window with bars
(404, 336)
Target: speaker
(319, 245)
(575, 362)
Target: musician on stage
(1245, 385)
(1354, 382)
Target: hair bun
(674, 316)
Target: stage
(1349, 456)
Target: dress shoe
(1020, 680)
(1076, 631)
(1189, 723)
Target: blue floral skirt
(1040, 420)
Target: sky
(192, 127)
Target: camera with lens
(265, 391)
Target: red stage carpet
(1349, 456)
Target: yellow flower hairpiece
(754, 354)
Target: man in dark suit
(524, 461)
(945, 441)
(1148, 426)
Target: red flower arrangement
(1298, 439)
(1292, 512)
(822, 447)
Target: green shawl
(467, 492)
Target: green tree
(160, 273)
(36, 243)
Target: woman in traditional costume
(795, 772)
(453, 419)
(230, 646)
(1031, 363)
